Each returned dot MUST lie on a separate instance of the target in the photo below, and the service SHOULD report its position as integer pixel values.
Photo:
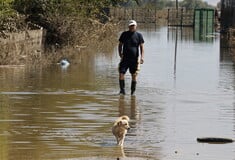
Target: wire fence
(180, 17)
(142, 15)
(184, 17)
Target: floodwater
(67, 114)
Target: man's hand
(120, 49)
(121, 55)
(142, 61)
(142, 53)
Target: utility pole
(177, 13)
(176, 39)
(177, 5)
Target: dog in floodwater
(119, 129)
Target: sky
(213, 2)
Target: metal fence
(203, 22)
(180, 17)
(142, 15)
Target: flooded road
(58, 114)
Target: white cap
(132, 23)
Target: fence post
(207, 22)
(114, 11)
(124, 14)
(155, 15)
(168, 17)
(194, 18)
(132, 13)
(181, 20)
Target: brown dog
(120, 128)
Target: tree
(5, 7)
(191, 4)
(154, 3)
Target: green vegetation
(160, 4)
(191, 4)
(9, 19)
(64, 7)
(6, 8)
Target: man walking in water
(129, 44)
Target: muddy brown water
(67, 114)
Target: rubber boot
(122, 87)
(133, 87)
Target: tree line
(90, 7)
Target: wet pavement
(57, 114)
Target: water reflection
(188, 34)
(128, 107)
(200, 85)
(184, 34)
